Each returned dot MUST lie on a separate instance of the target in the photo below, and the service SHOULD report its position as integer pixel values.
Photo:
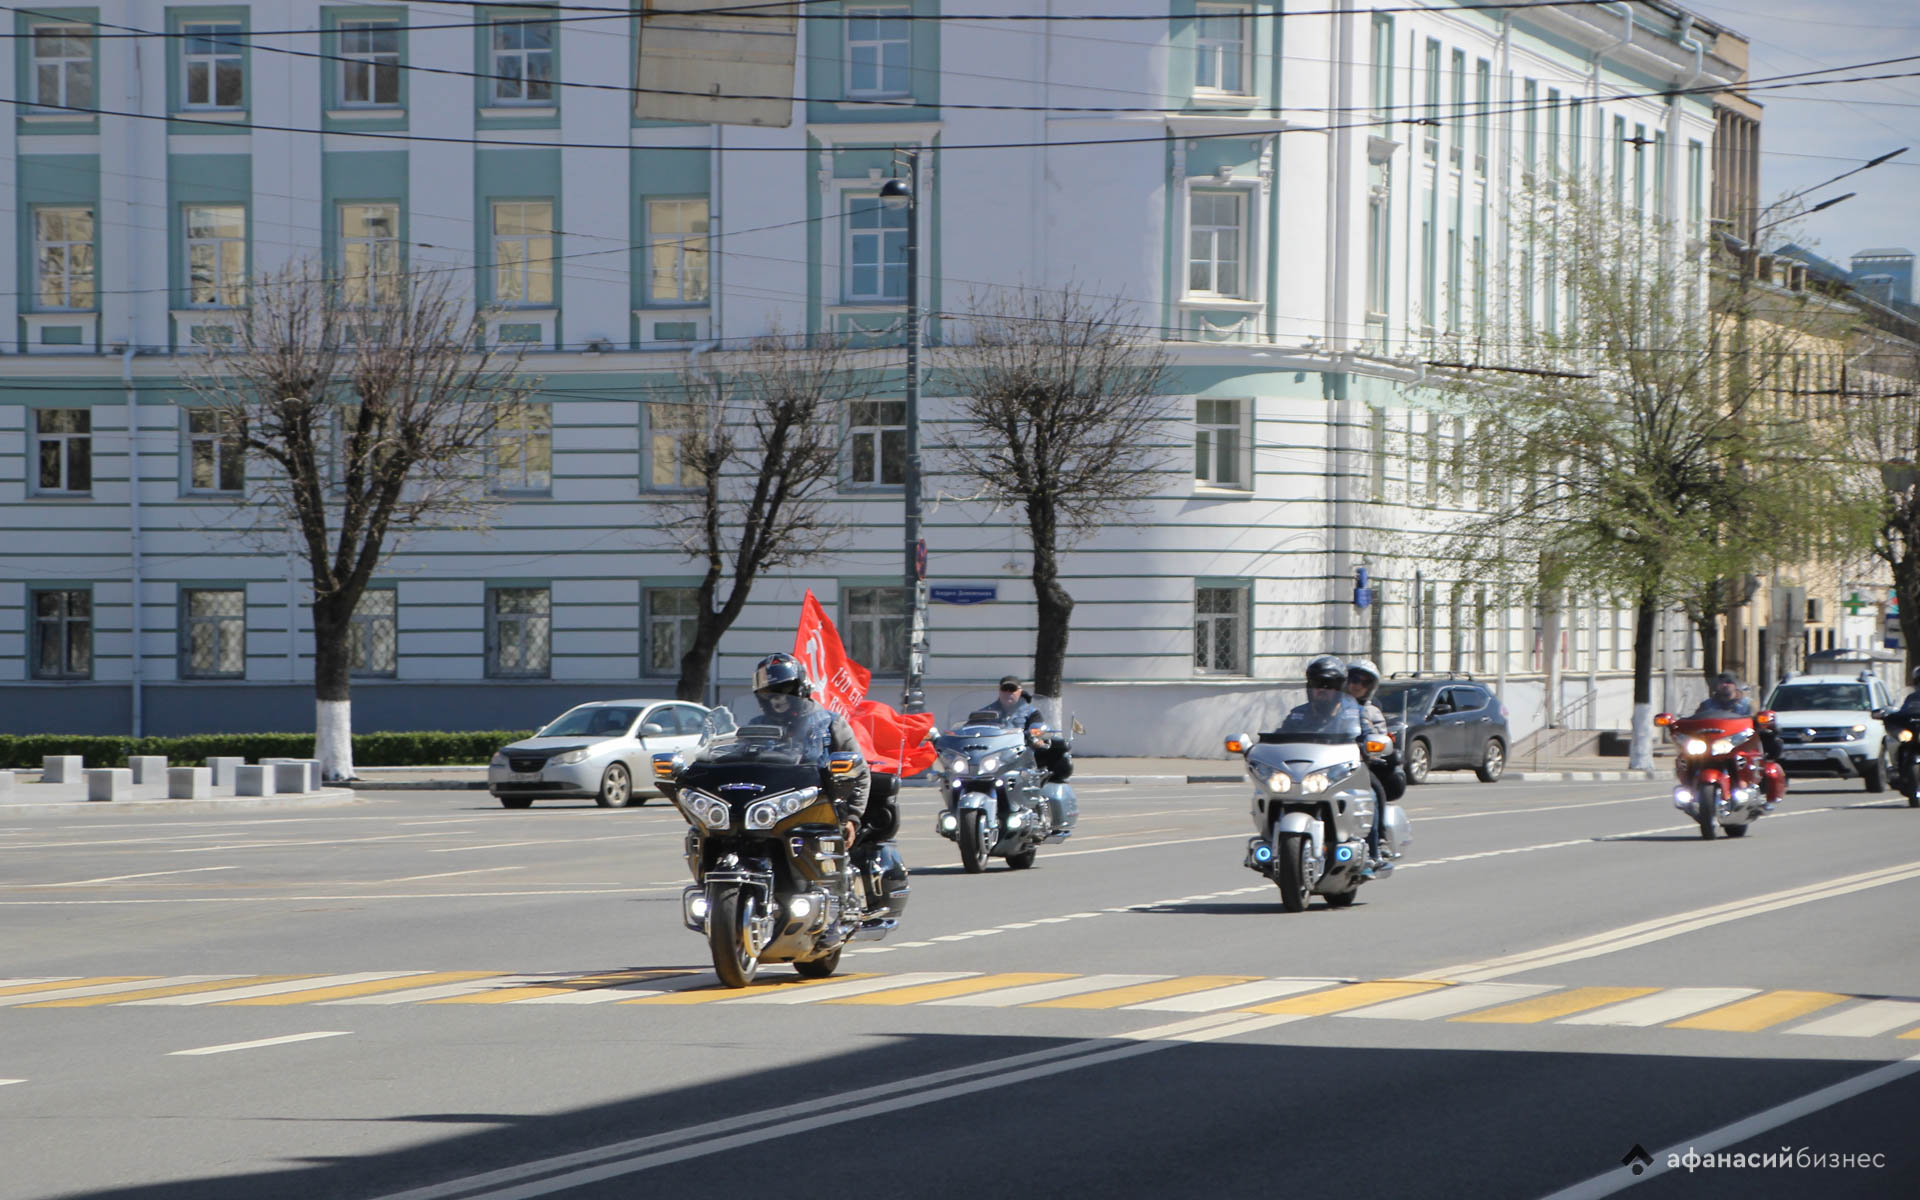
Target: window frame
(216, 29)
(651, 622)
(219, 439)
(63, 623)
(368, 61)
(531, 267)
(875, 432)
(902, 14)
(235, 294)
(362, 642)
(658, 432)
(495, 24)
(497, 620)
(1206, 638)
(365, 287)
(65, 439)
(188, 622)
(508, 429)
(63, 64)
(852, 236)
(1212, 49)
(865, 632)
(67, 245)
(683, 247)
(1239, 451)
(1243, 278)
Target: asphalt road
(422, 995)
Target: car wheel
(1874, 774)
(516, 802)
(616, 788)
(1493, 761)
(1419, 760)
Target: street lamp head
(896, 189)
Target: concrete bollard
(223, 769)
(253, 781)
(61, 768)
(110, 783)
(6, 784)
(147, 768)
(291, 778)
(189, 783)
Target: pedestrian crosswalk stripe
(834, 989)
(440, 991)
(1661, 1007)
(710, 993)
(1033, 993)
(1557, 1004)
(1236, 996)
(650, 986)
(553, 986)
(1354, 995)
(952, 987)
(1760, 1012)
(151, 993)
(1864, 1020)
(41, 987)
(341, 987)
(93, 985)
(1141, 993)
(1448, 1002)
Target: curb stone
(335, 796)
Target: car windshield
(794, 736)
(592, 720)
(1837, 697)
(1396, 702)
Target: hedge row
(417, 749)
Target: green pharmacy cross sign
(1854, 603)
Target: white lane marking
(275, 845)
(641, 1154)
(107, 989)
(1233, 996)
(272, 1041)
(1864, 1020)
(1619, 1178)
(440, 991)
(5, 1082)
(1507, 812)
(1448, 1002)
(1029, 993)
(193, 999)
(1661, 1007)
(852, 987)
(451, 874)
(121, 878)
(1221, 837)
(569, 841)
(1669, 926)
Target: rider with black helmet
(780, 685)
(1725, 698)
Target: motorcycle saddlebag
(1063, 809)
(887, 878)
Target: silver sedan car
(603, 750)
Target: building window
(1696, 188)
(874, 620)
(669, 426)
(1660, 174)
(1220, 443)
(677, 251)
(876, 251)
(369, 64)
(1221, 49)
(1430, 139)
(63, 258)
(63, 66)
(1220, 640)
(63, 448)
(1483, 113)
(523, 62)
(369, 252)
(1382, 90)
(212, 65)
(1619, 159)
(877, 437)
(373, 634)
(216, 256)
(523, 449)
(216, 456)
(1640, 169)
(1529, 130)
(672, 620)
(1379, 242)
(213, 633)
(1457, 138)
(879, 52)
(519, 632)
(1216, 262)
(63, 634)
(523, 253)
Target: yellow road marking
(178, 989)
(371, 987)
(1555, 1004)
(1759, 1012)
(1353, 995)
(23, 989)
(560, 987)
(950, 987)
(707, 995)
(1140, 993)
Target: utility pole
(915, 575)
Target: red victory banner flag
(894, 743)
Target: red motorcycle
(1725, 779)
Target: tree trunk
(1906, 590)
(332, 689)
(697, 663)
(1055, 621)
(1707, 626)
(1640, 750)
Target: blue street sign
(955, 594)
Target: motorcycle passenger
(1017, 710)
(780, 685)
(1363, 679)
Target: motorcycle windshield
(788, 737)
(979, 738)
(1323, 723)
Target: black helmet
(1363, 671)
(780, 673)
(1327, 672)
(1726, 677)
(1916, 677)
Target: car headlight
(990, 764)
(710, 811)
(570, 757)
(1858, 730)
(1694, 747)
(499, 759)
(771, 811)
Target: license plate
(526, 774)
(1799, 755)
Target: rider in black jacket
(779, 681)
(1017, 710)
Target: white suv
(1826, 726)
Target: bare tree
(364, 410)
(1059, 410)
(757, 443)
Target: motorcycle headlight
(775, 809)
(990, 764)
(1274, 780)
(1315, 783)
(570, 757)
(710, 811)
(1693, 747)
(1721, 746)
(500, 757)
(1906, 735)
(957, 765)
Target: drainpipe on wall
(133, 523)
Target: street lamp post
(915, 575)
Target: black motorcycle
(998, 798)
(1905, 727)
(773, 881)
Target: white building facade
(1308, 209)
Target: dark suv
(1445, 722)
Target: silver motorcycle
(1313, 808)
(997, 799)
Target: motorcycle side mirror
(1239, 743)
(1663, 720)
(843, 764)
(1764, 718)
(1880, 714)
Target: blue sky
(1810, 134)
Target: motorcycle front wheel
(1292, 872)
(819, 968)
(976, 841)
(1709, 808)
(730, 936)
